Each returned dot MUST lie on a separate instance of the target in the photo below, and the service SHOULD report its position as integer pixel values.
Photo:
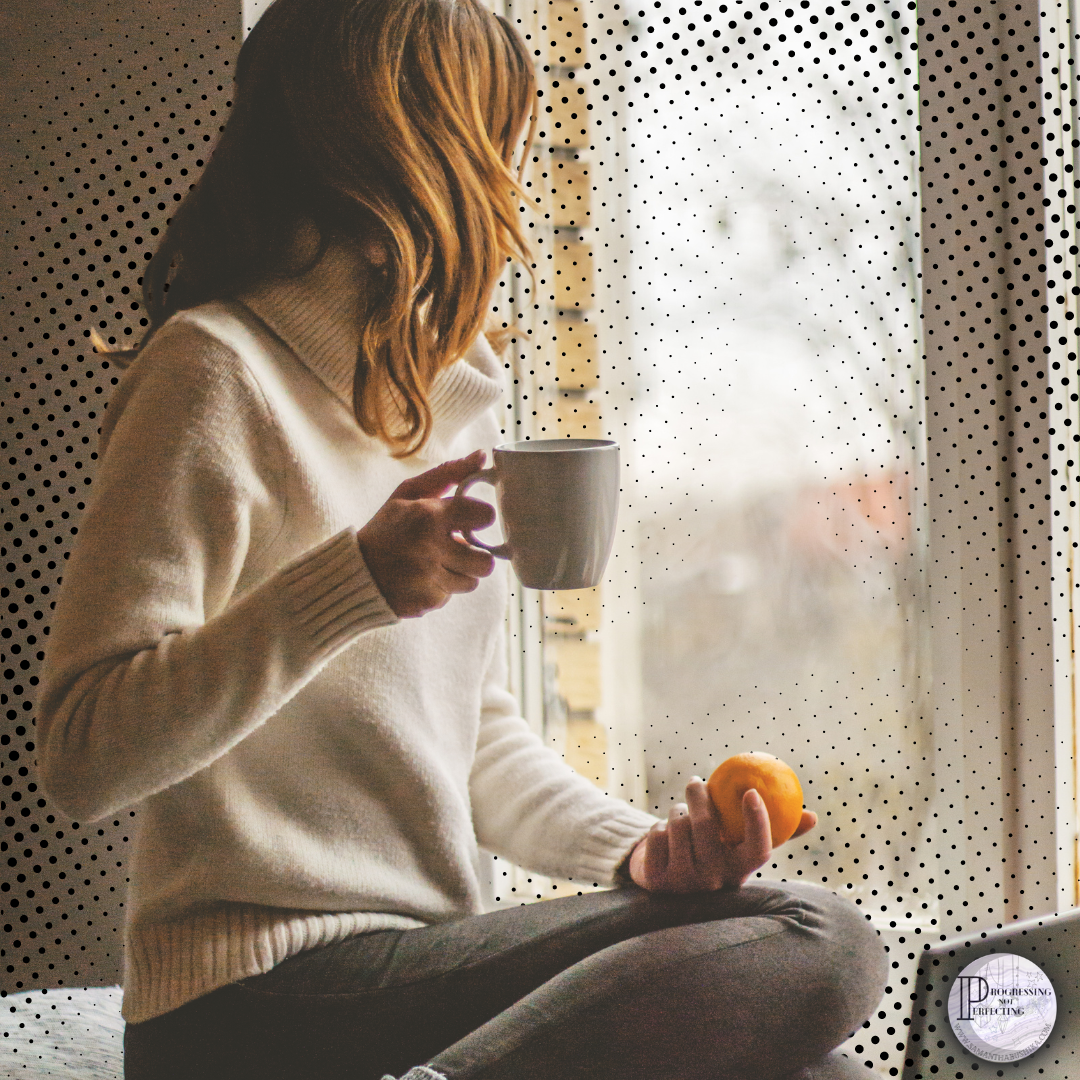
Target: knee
(846, 963)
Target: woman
(274, 640)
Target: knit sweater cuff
(607, 843)
(331, 597)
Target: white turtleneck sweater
(307, 767)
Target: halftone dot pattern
(773, 312)
(812, 264)
(111, 113)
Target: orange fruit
(773, 780)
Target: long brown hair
(393, 121)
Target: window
(886, 606)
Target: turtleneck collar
(315, 315)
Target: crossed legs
(756, 984)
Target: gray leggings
(757, 984)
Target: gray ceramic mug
(558, 500)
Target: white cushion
(62, 1033)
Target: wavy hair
(393, 121)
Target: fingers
(687, 853)
(757, 843)
(437, 481)
(710, 852)
(466, 563)
(702, 809)
(452, 566)
(656, 856)
(458, 557)
(410, 546)
(680, 845)
(467, 515)
(809, 820)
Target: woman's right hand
(411, 545)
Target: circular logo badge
(1002, 1007)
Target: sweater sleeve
(529, 806)
(155, 668)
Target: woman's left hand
(687, 853)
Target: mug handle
(484, 476)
